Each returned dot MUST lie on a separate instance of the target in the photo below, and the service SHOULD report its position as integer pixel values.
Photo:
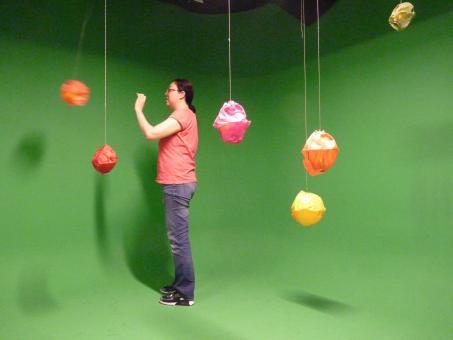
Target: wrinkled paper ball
(104, 160)
(74, 92)
(320, 152)
(402, 16)
(307, 208)
(231, 122)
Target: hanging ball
(402, 16)
(307, 208)
(74, 92)
(231, 122)
(320, 152)
(104, 160)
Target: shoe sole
(191, 303)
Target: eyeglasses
(170, 90)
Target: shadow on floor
(34, 296)
(319, 303)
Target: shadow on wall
(433, 141)
(29, 152)
(102, 237)
(145, 240)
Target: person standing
(178, 143)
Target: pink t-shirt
(176, 160)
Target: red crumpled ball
(104, 160)
(74, 92)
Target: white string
(105, 71)
(319, 68)
(81, 38)
(229, 43)
(305, 67)
(302, 29)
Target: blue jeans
(177, 200)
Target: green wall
(83, 255)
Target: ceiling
(189, 37)
(292, 7)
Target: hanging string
(319, 67)
(105, 72)
(302, 29)
(229, 43)
(81, 38)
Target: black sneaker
(176, 299)
(167, 290)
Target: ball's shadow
(29, 152)
(34, 293)
(102, 232)
(319, 303)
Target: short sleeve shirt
(176, 160)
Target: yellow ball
(307, 208)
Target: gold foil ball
(402, 16)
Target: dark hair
(186, 86)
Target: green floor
(309, 292)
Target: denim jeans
(177, 200)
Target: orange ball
(320, 152)
(74, 92)
(317, 162)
